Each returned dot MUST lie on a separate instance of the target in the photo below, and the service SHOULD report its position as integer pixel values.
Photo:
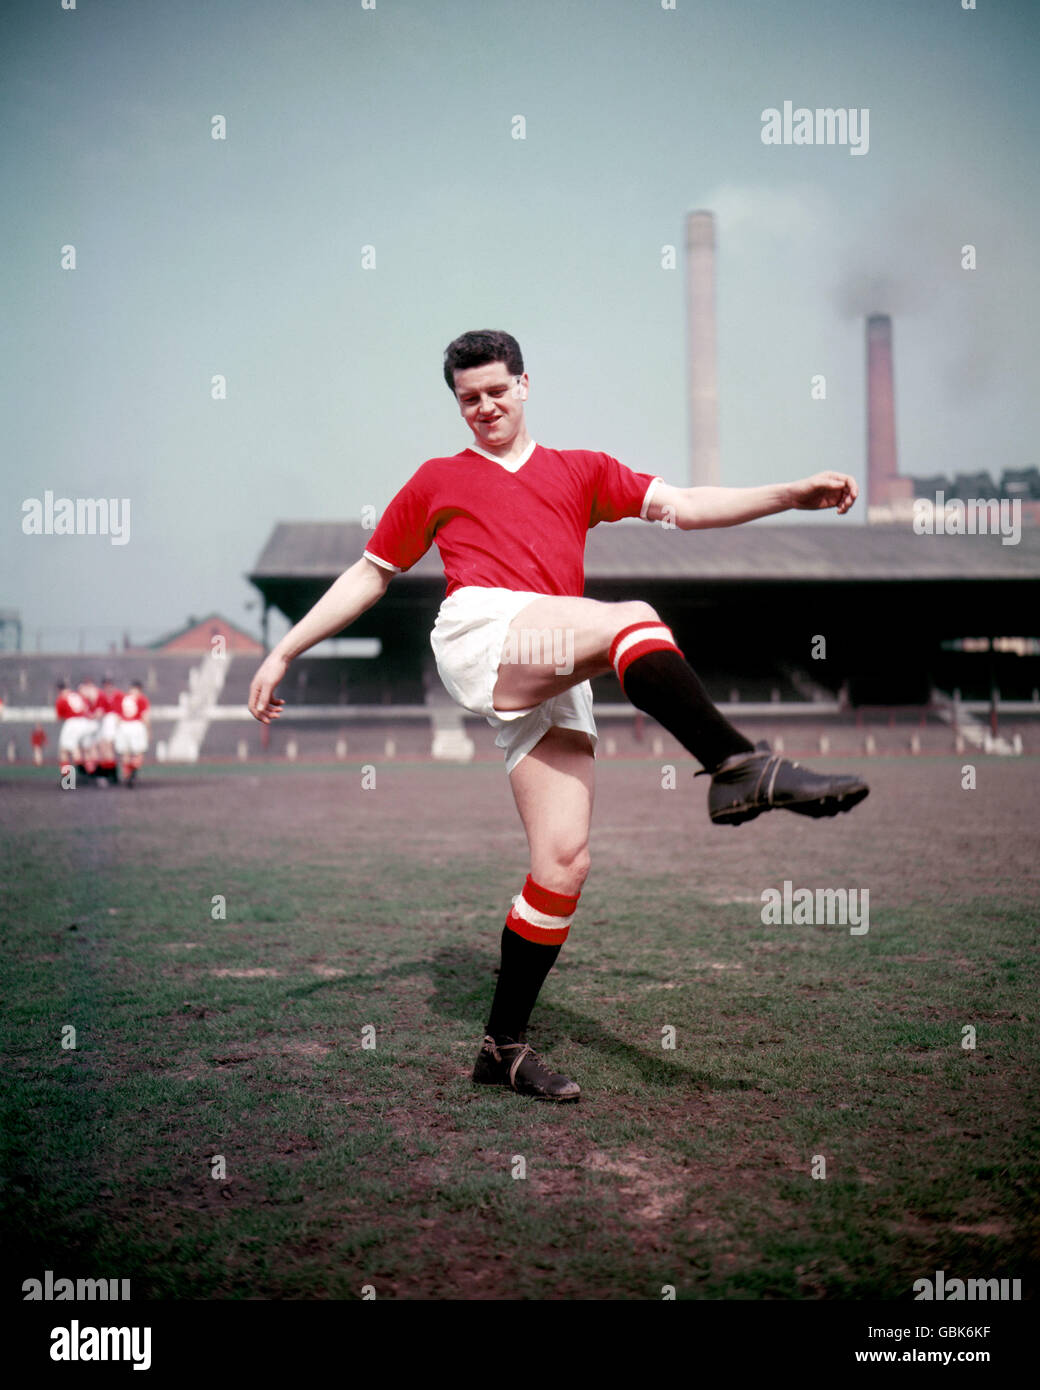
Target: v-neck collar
(514, 465)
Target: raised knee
(635, 611)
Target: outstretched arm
(698, 508)
(356, 590)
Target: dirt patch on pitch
(651, 1190)
(256, 972)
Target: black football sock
(525, 965)
(534, 932)
(657, 679)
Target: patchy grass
(219, 1131)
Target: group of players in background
(102, 727)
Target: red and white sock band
(637, 640)
(541, 916)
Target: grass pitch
(225, 941)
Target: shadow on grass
(463, 978)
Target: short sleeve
(618, 492)
(405, 530)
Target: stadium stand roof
(884, 597)
(832, 552)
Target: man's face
(492, 403)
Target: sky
(391, 125)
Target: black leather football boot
(517, 1065)
(747, 784)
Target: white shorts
(467, 641)
(109, 726)
(76, 733)
(132, 737)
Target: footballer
(131, 735)
(509, 517)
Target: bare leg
(555, 643)
(553, 789)
(551, 635)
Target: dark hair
(479, 348)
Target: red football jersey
(71, 705)
(511, 528)
(133, 707)
(110, 702)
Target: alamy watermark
(946, 1290)
(80, 1343)
(974, 516)
(77, 516)
(540, 646)
(825, 907)
(826, 125)
(49, 1289)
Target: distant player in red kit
(92, 729)
(38, 739)
(132, 735)
(110, 703)
(515, 641)
(71, 708)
